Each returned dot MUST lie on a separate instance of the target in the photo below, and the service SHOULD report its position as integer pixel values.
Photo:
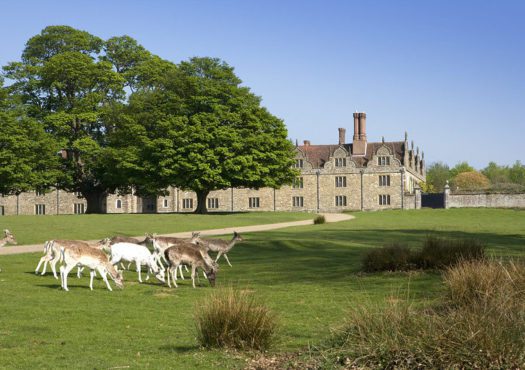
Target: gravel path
(330, 217)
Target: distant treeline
(463, 177)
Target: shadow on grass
(179, 349)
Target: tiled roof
(318, 155)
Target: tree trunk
(94, 201)
(201, 201)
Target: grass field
(309, 275)
(37, 229)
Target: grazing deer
(140, 255)
(161, 243)
(94, 259)
(108, 242)
(7, 239)
(187, 253)
(222, 246)
(52, 253)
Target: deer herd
(166, 260)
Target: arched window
(118, 204)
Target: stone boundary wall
(489, 200)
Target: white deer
(7, 239)
(92, 258)
(140, 255)
(186, 253)
(222, 246)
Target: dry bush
(319, 220)
(479, 324)
(234, 319)
(394, 257)
(440, 253)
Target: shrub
(395, 257)
(319, 220)
(234, 319)
(439, 253)
(479, 324)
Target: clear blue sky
(451, 73)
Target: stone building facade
(359, 175)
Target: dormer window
(299, 163)
(383, 161)
(340, 162)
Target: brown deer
(94, 259)
(222, 246)
(7, 239)
(187, 253)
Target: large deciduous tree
(71, 91)
(197, 128)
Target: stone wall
(490, 200)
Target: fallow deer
(161, 243)
(140, 255)
(94, 259)
(52, 253)
(222, 246)
(7, 239)
(186, 253)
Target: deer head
(237, 237)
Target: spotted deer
(161, 243)
(52, 253)
(186, 253)
(7, 239)
(222, 246)
(94, 259)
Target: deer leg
(64, 272)
(91, 276)
(102, 271)
(180, 272)
(227, 260)
(53, 264)
(193, 268)
(174, 275)
(139, 270)
(42, 260)
(79, 271)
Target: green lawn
(37, 229)
(309, 275)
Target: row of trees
(464, 177)
(121, 118)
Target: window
(187, 203)
(298, 201)
(39, 193)
(384, 200)
(298, 183)
(253, 202)
(165, 203)
(340, 181)
(118, 204)
(298, 163)
(213, 203)
(384, 180)
(340, 162)
(78, 208)
(40, 209)
(340, 200)
(383, 161)
(2, 210)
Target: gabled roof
(318, 155)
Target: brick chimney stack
(359, 143)
(306, 142)
(342, 135)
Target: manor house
(356, 175)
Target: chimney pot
(306, 142)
